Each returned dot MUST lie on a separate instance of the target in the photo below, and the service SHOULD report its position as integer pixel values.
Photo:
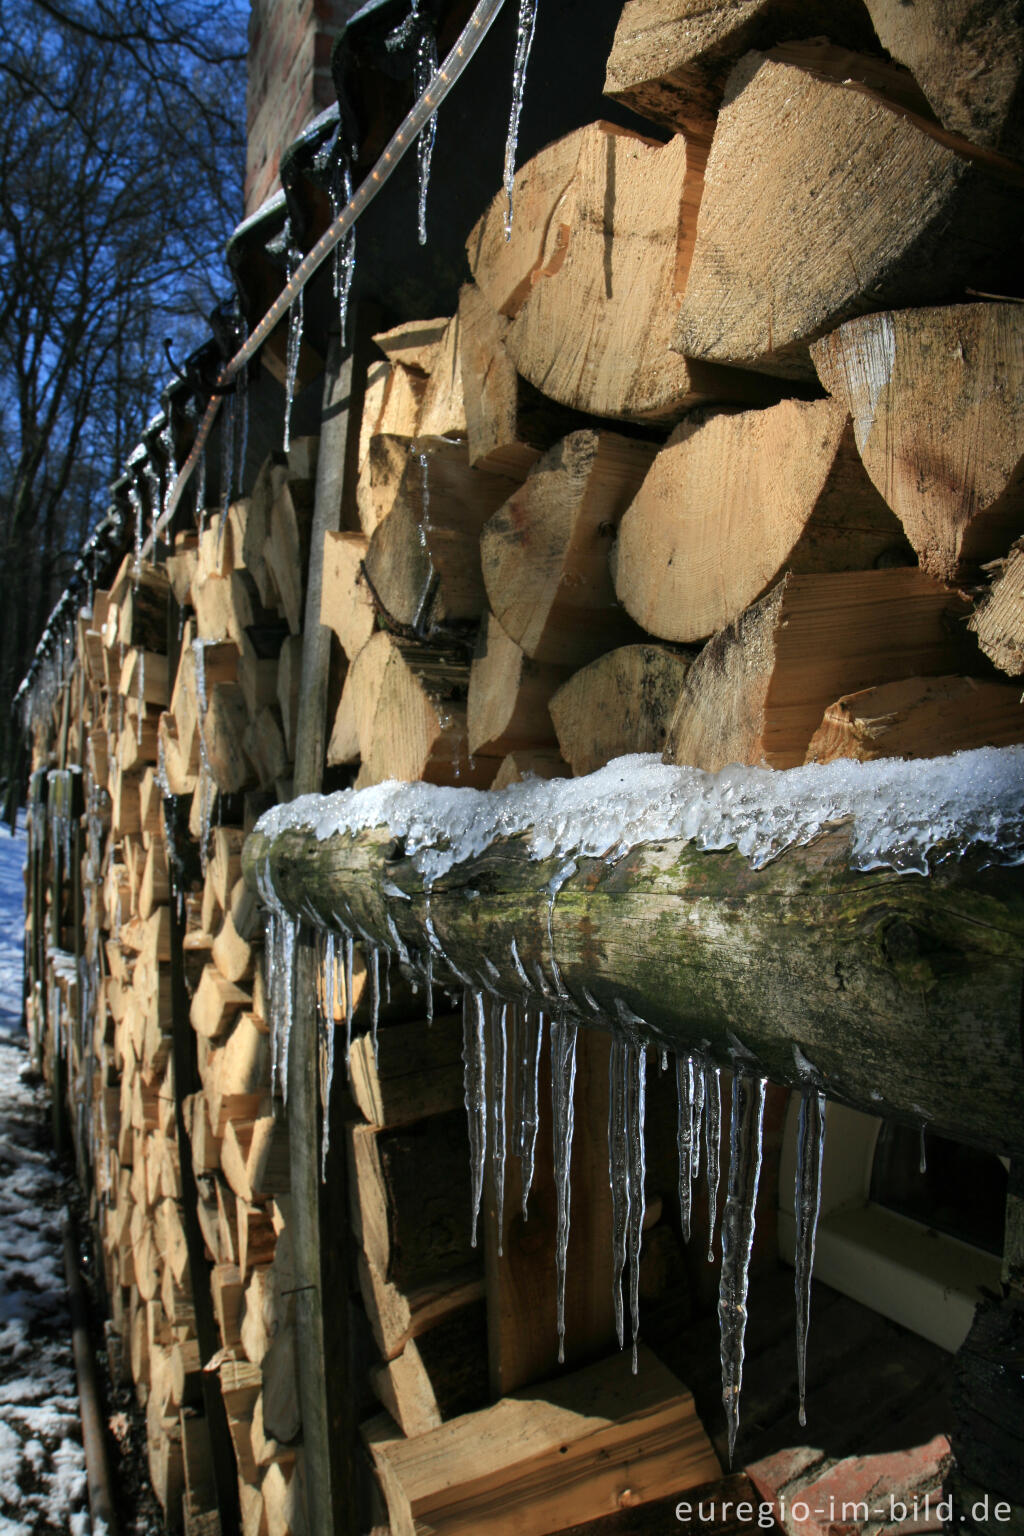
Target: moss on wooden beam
(904, 992)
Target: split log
(670, 62)
(920, 717)
(232, 951)
(289, 672)
(240, 1080)
(410, 1199)
(546, 1456)
(701, 945)
(758, 690)
(142, 611)
(443, 412)
(545, 553)
(733, 502)
(403, 714)
(507, 704)
(998, 620)
(422, 565)
(537, 764)
(509, 423)
(623, 702)
(345, 603)
(967, 60)
(937, 399)
(286, 550)
(594, 282)
(380, 477)
(224, 727)
(265, 748)
(865, 207)
(415, 1073)
(215, 1003)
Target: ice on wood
(524, 42)
(901, 814)
(809, 1155)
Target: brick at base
(895, 1494)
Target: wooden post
(327, 1436)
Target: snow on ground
(42, 1466)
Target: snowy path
(42, 1468)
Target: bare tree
(121, 164)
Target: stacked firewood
(192, 685)
(685, 473)
(719, 458)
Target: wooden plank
(545, 1455)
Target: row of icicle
(502, 1042)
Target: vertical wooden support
(521, 1322)
(327, 1431)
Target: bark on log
(869, 207)
(904, 992)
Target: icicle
(712, 1143)
(684, 1141)
(636, 1100)
(474, 1058)
(809, 1154)
(554, 886)
(663, 1064)
(922, 1166)
(529, 1080)
(205, 775)
(563, 1084)
(349, 966)
(136, 502)
(424, 528)
(292, 360)
(524, 42)
(698, 1116)
(142, 693)
(373, 962)
(330, 979)
(618, 1173)
(426, 68)
(428, 984)
(497, 1061)
(738, 1219)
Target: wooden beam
(904, 992)
(327, 1426)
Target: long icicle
(684, 1143)
(810, 1150)
(618, 1173)
(712, 1144)
(497, 1061)
(524, 42)
(563, 1085)
(746, 1124)
(532, 1037)
(330, 990)
(636, 1092)
(474, 1061)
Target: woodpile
(712, 460)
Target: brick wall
(289, 80)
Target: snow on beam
(865, 921)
